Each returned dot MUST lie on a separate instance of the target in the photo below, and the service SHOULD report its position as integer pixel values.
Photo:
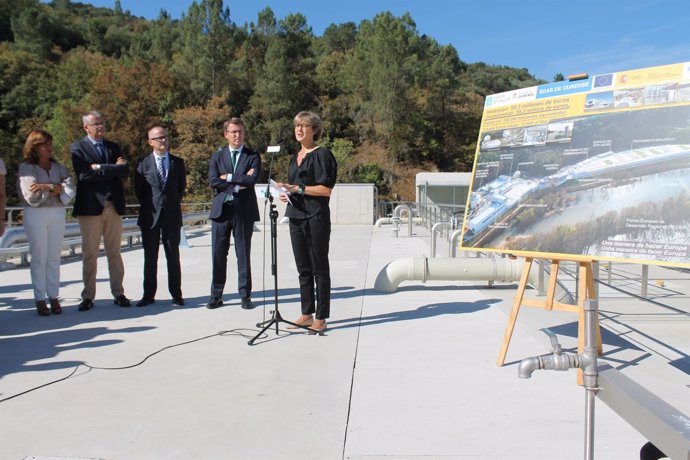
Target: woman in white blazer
(44, 188)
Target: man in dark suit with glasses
(159, 184)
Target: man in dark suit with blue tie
(159, 184)
(99, 205)
(232, 174)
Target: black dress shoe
(122, 301)
(85, 305)
(179, 301)
(144, 302)
(214, 302)
(247, 303)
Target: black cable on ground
(90, 368)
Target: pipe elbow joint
(528, 366)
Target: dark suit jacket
(245, 203)
(95, 187)
(153, 199)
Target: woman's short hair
(33, 140)
(313, 119)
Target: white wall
(350, 204)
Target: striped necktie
(161, 170)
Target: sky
(545, 37)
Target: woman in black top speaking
(311, 176)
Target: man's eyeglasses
(159, 138)
(96, 125)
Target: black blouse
(318, 168)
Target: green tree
(8, 9)
(199, 133)
(286, 83)
(157, 41)
(337, 38)
(204, 52)
(24, 84)
(381, 77)
(33, 29)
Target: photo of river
(617, 187)
(590, 204)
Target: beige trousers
(108, 225)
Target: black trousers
(310, 243)
(227, 225)
(151, 238)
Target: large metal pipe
(462, 269)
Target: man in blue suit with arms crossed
(232, 174)
(100, 168)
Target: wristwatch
(51, 187)
(300, 190)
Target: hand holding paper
(282, 191)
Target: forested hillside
(394, 102)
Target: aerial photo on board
(611, 183)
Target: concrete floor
(409, 375)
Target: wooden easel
(585, 289)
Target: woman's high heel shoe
(303, 320)
(55, 307)
(318, 327)
(42, 308)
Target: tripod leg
(270, 323)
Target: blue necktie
(161, 170)
(101, 151)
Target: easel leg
(553, 281)
(514, 312)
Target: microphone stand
(276, 317)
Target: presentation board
(594, 169)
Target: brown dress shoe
(42, 308)
(55, 307)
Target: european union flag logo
(603, 80)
